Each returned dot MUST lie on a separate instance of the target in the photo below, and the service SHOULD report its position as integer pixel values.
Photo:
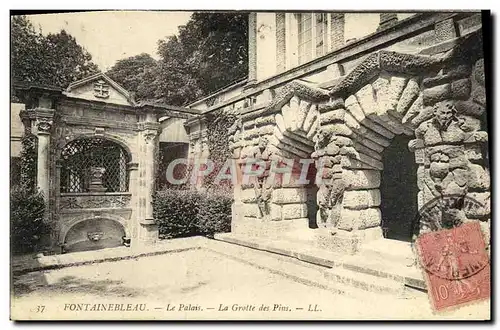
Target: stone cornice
(418, 23)
(383, 60)
(300, 89)
(37, 113)
(143, 126)
(469, 49)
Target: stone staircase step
(393, 270)
(365, 281)
(410, 276)
(388, 249)
(294, 269)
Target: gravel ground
(197, 284)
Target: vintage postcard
(235, 165)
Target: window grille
(79, 156)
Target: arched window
(78, 158)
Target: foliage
(218, 123)
(214, 213)
(176, 212)
(208, 53)
(27, 209)
(181, 213)
(28, 161)
(55, 59)
(136, 74)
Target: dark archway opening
(311, 192)
(398, 190)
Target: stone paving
(199, 281)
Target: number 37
(39, 309)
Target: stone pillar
(134, 189)
(387, 20)
(252, 48)
(280, 42)
(146, 230)
(337, 27)
(44, 121)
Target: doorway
(398, 190)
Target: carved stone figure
(96, 175)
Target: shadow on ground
(71, 285)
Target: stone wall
(438, 99)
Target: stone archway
(282, 133)
(437, 101)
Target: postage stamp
(456, 265)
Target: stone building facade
(395, 118)
(390, 115)
(96, 160)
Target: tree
(136, 74)
(176, 82)
(55, 60)
(208, 53)
(221, 54)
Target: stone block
(470, 124)
(360, 219)
(275, 212)
(361, 199)
(460, 89)
(473, 152)
(479, 72)
(289, 195)
(435, 94)
(479, 178)
(445, 30)
(469, 108)
(362, 179)
(247, 195)
(333, 116)
(410, 94)
(294, 211)
(250, 210)
(473, 212)
(479, 95)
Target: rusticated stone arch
(441, 106)
(284, 130)
(438, 99)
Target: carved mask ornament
(444, 114)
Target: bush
(176, 212)
(214, 213)
(27, 208)
(182, 213)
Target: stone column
(149, 170)
(252, 48)
(44, 123)
(146, 229)
(133, 174)
(337, 30)
(280, 42)
(387, 20)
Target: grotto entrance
(398, 190)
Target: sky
(113, 35)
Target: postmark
(456, 265)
